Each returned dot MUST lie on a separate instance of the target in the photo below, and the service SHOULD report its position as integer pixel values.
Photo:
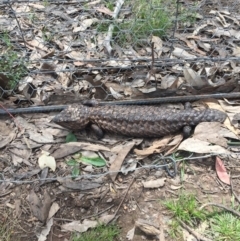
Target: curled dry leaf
(154, 183)
(84, 25)
(47, 161)
(181, 53)
(6, 140)
(169, 81)
(225, 32)
(157, 46)
(53, 210)
(115, 94)
(147, 227)
(43, 235)
(228, 108)
(78, 226)
(193, 78)
(167, 143)
(104, 10)
(106, 218)
(221, 171)
(236, 51)
(175, 187)
(130, 234)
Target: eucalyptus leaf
(95, 161)
(72, 162)
(71, 138)
(75, 171)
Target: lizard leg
(97, 131)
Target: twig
(124, 196)
(111, 27)
(234, 194)
(103, 211)
(175, 27)
(5, 194)
(161, 228)
(90, 216)
(7, 111)
(152, 71)
(220, 206)
(20, 29)
(197, 235)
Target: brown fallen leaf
(193, 78)
(221, 171)
(212, 135)
(198, 146)
(40, 208)
(6, 140)
(156, 147)
(122, 151)
(5, 130)
(40, 138)
(189, 44)
(73, 147)
(23, 124)
(174, 144)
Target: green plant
(71, 138)
(46, 3)
(186, 209)
(32, 17)
(75, 167)
(149, 18)
(101, 233)
(80, 158)
(225, 227)
(7, 226)
(187, 16)
(109, 5)
(47, 35)
(174, 229)
(12, 67)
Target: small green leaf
(71, 138)
(72, 162)
(75, 171)
(95, 161)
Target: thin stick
(10, 5)
(124, 196)
(103, 211)
(234, 194)
(7, 111)
(220, 206)
(111, 27)
(197, 235)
